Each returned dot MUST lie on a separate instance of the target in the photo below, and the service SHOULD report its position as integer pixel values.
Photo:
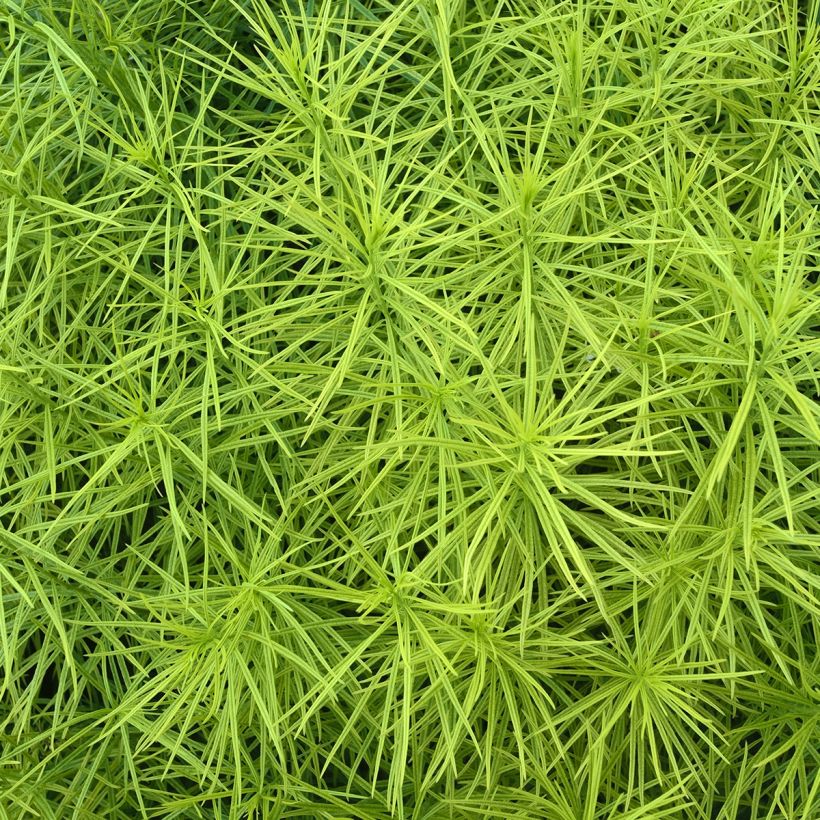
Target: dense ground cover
(409, 409)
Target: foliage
(409, 409)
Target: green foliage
(409, 409)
